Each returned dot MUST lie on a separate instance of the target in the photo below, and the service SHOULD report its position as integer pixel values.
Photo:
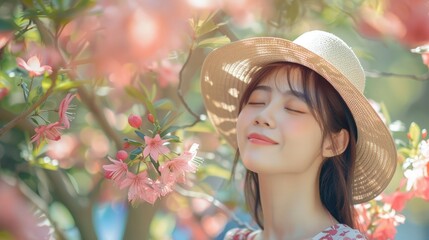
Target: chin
(258, 166)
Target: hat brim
(227, 71)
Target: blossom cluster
(52, 131)
(379, 217)
(150, 170)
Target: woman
(310, 141)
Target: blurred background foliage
(64, 179)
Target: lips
(260, 139)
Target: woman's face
(276, 131)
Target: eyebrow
(297, 94)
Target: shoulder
(340, 232)
(239, 234)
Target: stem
(180, 94)
(31, 84)
(99, 116)
(27, 112)
(224, 29)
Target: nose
(265, 118)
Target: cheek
(303, 135)
(240, 126)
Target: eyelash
(255, 103)
(261, 103)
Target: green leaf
(155, 164)
(206, 26)
(169, 130)
(134, 153)
(165, 119)
(168, 120)
(214, 42)
(172, 138)
(133, 92)
(67, 85)
(164, 103)
(132, 142)
(35, 94)
(140, 134)
(25, 90)
(404, 152)
(46, 163)
(414, 134)
(385, 113)
(153, 93)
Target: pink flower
(121, 155)
(425, 58)
(385, 228)
(398, 200)
(162, 188)
(116, 171)
(139, 188)
(175, 169)
(155, 147)
(168, 73)
(135, 121)
(62, 111)
(51, 132)
(33, 66)
(5, 36)
(421, 188)
(363, 216)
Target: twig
(215, 203)
(375, 74)
(99, 116)
(223, 28)
(180, 94)
(27, 112)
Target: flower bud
(135, 121)
(108, 174)
(151, 118)
(121, 155)
(424, 133)
(126, 145)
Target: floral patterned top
(335, 232)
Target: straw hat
(227, 71)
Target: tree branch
(27, 112)
(80, 208)
(376, 74)
(99, 116)
(180, 94)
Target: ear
(336, 144)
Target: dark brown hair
(332, 114)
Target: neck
(291, 206)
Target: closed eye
(256, 103)
(293, 110)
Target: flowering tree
(99, 102)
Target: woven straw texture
(227, 71)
